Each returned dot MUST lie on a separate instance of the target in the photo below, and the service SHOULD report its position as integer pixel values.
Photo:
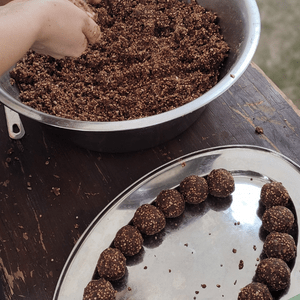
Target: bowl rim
(235, 72)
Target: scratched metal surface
(196, 248)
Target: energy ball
(194, 189)
(220, 183)
(274, 273)
(111, 264)
(149, 220)
(100, 289)
(255, 291)
(274, 194)
(128, 240)
(171, 203)
(280, 245)
(278, 218)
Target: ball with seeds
(255, 291)
(171, 203)
(148, 219)
(274, 273)
(128, 240)
(278, 218)
(280, 245)
(111, 264)
(274, 194)
(194, 189)
(100, 289)
(220, 183)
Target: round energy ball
(274, 194)
(220, 183)
(100, 289)
(255, 291)
(280, 245)
(274, 273)
(148, 219)
(278, 218)
(111, 264)
(171, 203)
(129, 240)
(194, 189)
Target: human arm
(53, 27)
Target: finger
(85, 7)
(59, 52)
(46, 52)
(92, 31)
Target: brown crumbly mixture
(274, 273)
(194, 189)
(100, 289)
(220, 183)
(259, 130)
(154, 56)
(274, 194)
(111, 264)
(129, 240)
(241, 264)
(278, 218)
(280, 245)
(149, 219)
(255, 291)
(171, 203)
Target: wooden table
(50, 190)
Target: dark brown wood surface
(50, 190)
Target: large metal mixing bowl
(240, 23)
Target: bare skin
(53, 27)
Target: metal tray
(196, 248)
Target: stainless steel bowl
(240, 23)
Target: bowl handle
(14, 124)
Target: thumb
(91, 31)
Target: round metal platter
(211, 251)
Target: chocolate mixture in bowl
(154, 56)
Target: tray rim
(148, 176)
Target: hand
(54, 27)
(84, 6)
(66, 28)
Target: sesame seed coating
(129, 240)
(220, 183)
(149, 219)
(280, 245)
(255, 291)
(274, 194)
(111, 264)
(278, 218)
(273, 272)
(194, 189)
(100, 289)
(171, 203)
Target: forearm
(19, 27)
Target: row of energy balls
(150, 219)
(273, 273)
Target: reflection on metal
(244, 210)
